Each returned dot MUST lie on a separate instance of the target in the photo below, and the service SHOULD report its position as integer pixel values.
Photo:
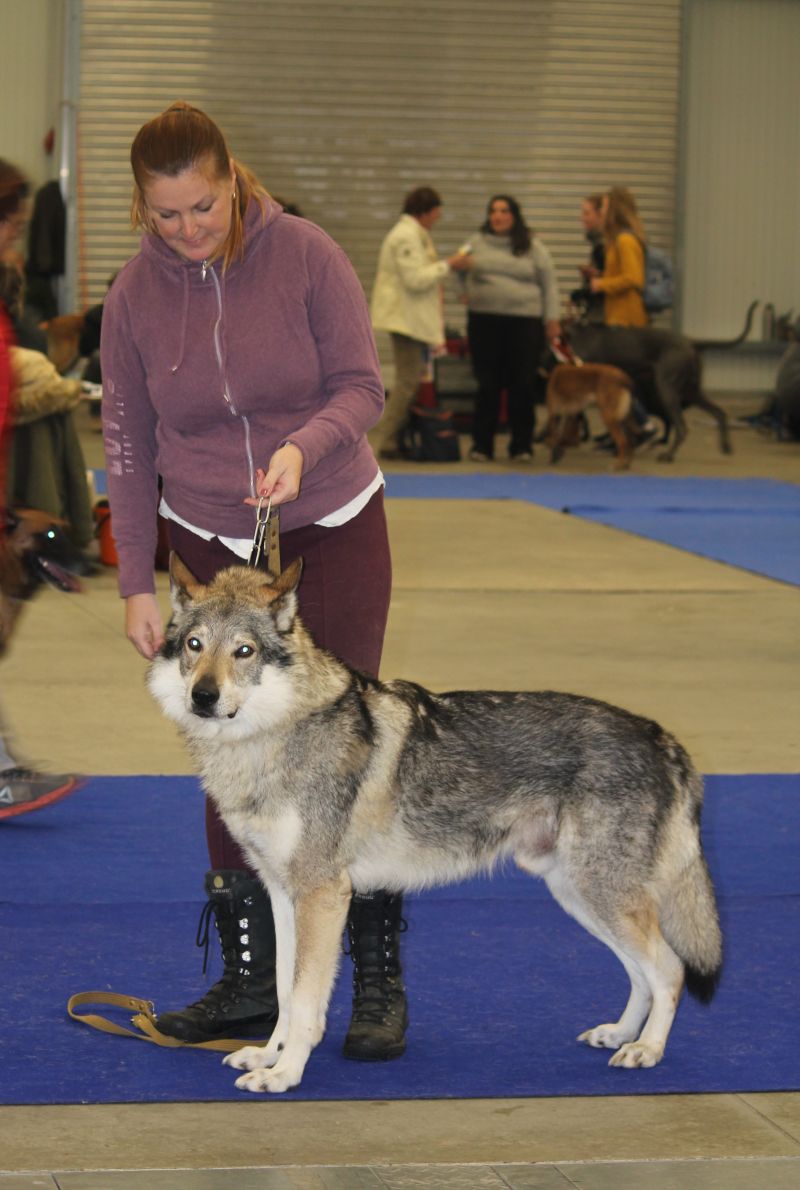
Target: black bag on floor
(431, 437)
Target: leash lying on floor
(144, 1020)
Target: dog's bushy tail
(690, 924)
(689, 918)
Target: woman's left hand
(553, 329)
(281, 481)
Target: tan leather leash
(144, 1020)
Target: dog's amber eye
(244, 651)
(194, 644)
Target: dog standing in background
(665, 367)
(571, 388)
(332, 781)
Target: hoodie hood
(192, 273)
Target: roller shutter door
(343, 107)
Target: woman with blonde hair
(622, 282)
(238, 361)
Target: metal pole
(68, 297)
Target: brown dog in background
(570, 388)
(63, 340)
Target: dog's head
(224, 667)
(558, 351)
(33, 550)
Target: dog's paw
(637, 1054)
(281, 1077)
(609, 1037)
(252, 1057)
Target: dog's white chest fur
(273, 839)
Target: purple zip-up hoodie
(206, 373)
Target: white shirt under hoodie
(407, 294)
(501, 283)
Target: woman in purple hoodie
(238, 359)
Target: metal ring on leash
(260, 534)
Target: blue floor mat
(102, 891)
(750, 523)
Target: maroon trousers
(344, 603)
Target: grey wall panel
(343, 107)
(741, 233)
(30, 82)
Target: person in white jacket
(407, 302)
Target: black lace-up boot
(380, 1014)
(244, 1002)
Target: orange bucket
(102, 531)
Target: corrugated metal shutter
(344, 107)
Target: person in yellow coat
(622, 286)
(622, 281)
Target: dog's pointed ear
(183, 586)
(282, 595)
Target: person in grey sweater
(514, 304)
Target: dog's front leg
(319, 916)
(252, 1057)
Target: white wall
(741, 224)
(30, 84)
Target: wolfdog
(332, 781)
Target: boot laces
(375, 973)
(234, 939)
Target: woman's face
(591, 216)
(192, 212)
(12, 227)
(430, 217)
(501, 218)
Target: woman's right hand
(461, 263)
(144, 626)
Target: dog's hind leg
(671, 379)
(703, 402)
(319, 916)
(655, 972)
(622, 460)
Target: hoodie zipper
(204, 269)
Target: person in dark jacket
(591, 304)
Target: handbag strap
(144, 1020)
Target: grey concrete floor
(486, 594)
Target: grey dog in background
(332, 782)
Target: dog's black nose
(205, 696)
